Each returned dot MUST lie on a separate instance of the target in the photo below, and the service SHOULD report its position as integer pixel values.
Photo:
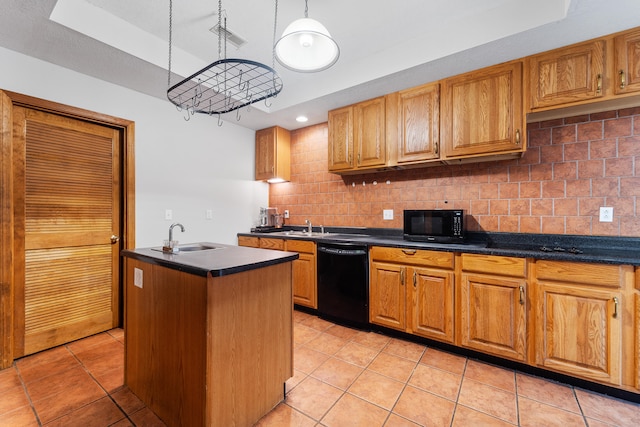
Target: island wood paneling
(208, 351)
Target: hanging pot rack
(227, 84)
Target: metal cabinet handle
(518, 137)
(521, 295)
(114, 239)
(415, 278)
(615, 307)
(409, 251)
(623, 82)
(435, 147)
(599, 84)
(402, 276)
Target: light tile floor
(343, 377)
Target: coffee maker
(269, 219)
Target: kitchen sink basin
(195, 247)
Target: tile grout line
(26, 391)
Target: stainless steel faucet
(171, 230)
(308, 222)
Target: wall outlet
(606, 214)
(387, 214)
(168, 214)
(208, 214)
(137, 277)
(286, 213)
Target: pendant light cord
(170, 31)
(275, 29)
(306, 8)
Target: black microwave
(440, 226)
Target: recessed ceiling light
(301, 119)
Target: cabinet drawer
(301, 246)
(610, 276)
(413, 256)
(495, 265)
(277, 244)
(252, 242)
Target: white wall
(185, 166)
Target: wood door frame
(7, 220)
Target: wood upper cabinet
(482, 112)
(369, 133)
(273, 155)
(412, 291)
(419, 124)
(341, 139)
(357, 136)
(579, 312)
(567, 75)
(626, 77)
(493, 305)
(304, 273)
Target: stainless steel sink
(300, 233)
(195, 247)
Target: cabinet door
(251, 242)
(627, 63)
(304, 280)
(341, 139)
(370, 132)
(567, 75)
(580, 331)
(492, 315)
(275, 244)
(387, 294)
(482, 112)
(419, 111)
(265, 153)
(432, 304)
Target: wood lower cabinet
(636, 329)
(493, 305)
(412, 291)
(304, 273)
(579, 314)
(305, 289)
(567, 75)
(482, 112)
(252, 242)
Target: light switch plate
(137, 277)
(387, 214)
(606, 214)
(168, 214)
(208, 214)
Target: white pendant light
(306, 46)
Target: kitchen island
(208, 332)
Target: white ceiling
(384, 46)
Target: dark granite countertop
(592, 249)
(221, 261)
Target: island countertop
(222, 260)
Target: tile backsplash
(572, 167)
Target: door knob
(114, 239)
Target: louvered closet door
(71, 211)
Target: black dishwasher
(343, 283)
